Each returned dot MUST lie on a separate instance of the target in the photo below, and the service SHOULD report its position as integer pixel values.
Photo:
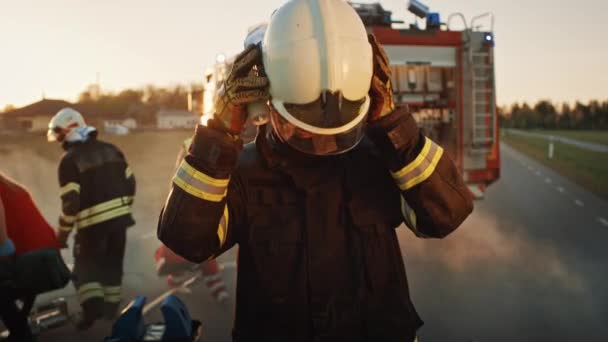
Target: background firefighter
(97, 190)
(314, 203)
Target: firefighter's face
(287, 129)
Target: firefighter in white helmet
(97, 190)
(314, 203)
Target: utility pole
(97, 86)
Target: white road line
(155, 302)
(560, 189)
(538, 173)
(228, 264)
(548, 180)
(148, 236)
(603, 221)
(579, 203)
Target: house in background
(119, 127)
(173, 119)
(32, 118)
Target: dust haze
(492, 280)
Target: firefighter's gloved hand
(381, 90)
(62, 238)
(246, 83)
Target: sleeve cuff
(213, 152)
(7, 248)
(397, 137)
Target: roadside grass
(586, 168)
(598, 137)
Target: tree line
(547, 115)
(141, 104)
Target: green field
(586, 168)
(598, 137)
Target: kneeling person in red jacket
(23, 229)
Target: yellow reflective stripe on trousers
(199, 184)
(112, 294)
(222, 229)
(421, 168)
(68, 188)
(101, 207)
(128, 172)
(105, 216)
(88, 291)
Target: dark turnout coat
(319, 258)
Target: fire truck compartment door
(436, 56)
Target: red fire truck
(445, 77)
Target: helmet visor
(313, 143)
(55, 134)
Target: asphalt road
(575, 142)
(529, 265)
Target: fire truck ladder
(482, 102)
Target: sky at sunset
(545, 49)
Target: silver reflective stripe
(202, 186)
(199, 184)
(421, 168)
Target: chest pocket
(275, 237)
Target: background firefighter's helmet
(320, 64)
(64, 123)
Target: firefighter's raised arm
(434, 198)
(203, 215)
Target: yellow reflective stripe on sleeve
(222, 229)
(88, 291)
(69, 187)
(199, 184)
(128, 172)
(421, 168)
(105, 216)
(67, 219)
(408, 214)
(65, 228)
(186, 144)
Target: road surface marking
(154, 303)
(548, 180)
(183, 288)
(579, 203)
(603, 221)
(530, 168)
(560, 189)
(538, 173)
(228, 264)
(148, 236)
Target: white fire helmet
(63, 123)
(320, 64)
